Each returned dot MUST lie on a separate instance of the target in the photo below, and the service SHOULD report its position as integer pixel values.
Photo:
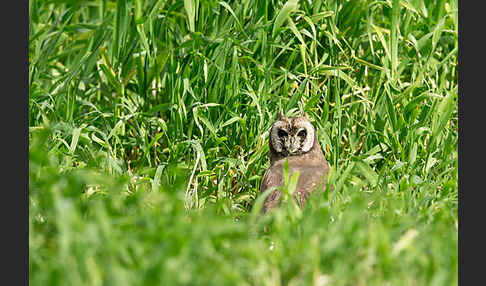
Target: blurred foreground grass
(148, 141)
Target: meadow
(148, 140)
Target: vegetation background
(148, 129)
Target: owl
(294, 138)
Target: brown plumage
(295, 138)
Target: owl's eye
(282, 133)
(302, 133)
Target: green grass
(149, 128)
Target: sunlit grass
(149, 128)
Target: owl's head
(292, 135)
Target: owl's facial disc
(293, 136)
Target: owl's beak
(290, 144)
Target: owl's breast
(312, 177)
